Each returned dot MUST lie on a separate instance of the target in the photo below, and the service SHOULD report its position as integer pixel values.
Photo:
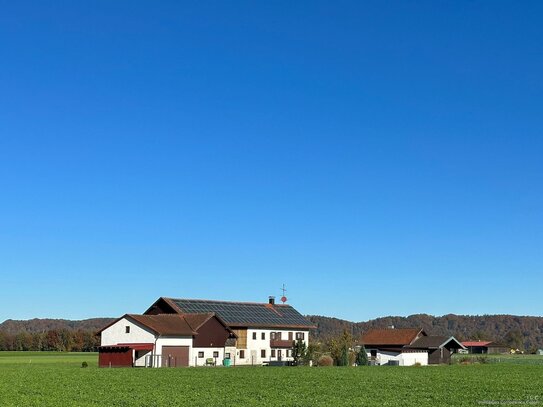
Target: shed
(439, 348)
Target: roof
(127, 346)
(469, 344)
(436, 342)
(169, 324)
(166, 324)
(244, 314)
(391, 336)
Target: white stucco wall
(116, 333)
(411, 358)
(405, 358)
(208, 353)
(255, 346)
(179, 341)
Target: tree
(514, 339)
(299, 351)
(339, 348)
(362, 357)
(310, 354)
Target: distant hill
(524, 332)
(36, 325)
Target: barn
(265, 331)
(480, 347)
(176, 332)
(408, 346)
(170, 340)
(439, 348)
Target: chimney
(271, 300)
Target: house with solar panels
(185, 332)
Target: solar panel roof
(245, 313)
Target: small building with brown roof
(480, 347)
(170, 340)
(408, 346)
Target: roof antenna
(283, 297)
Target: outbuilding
(407, 347)
(170, 340)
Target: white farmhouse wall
(116, 333)
(253, 352)
(207, 353)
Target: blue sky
(379, 158)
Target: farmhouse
(406, 347)
(185, 332)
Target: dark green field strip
(41, 358)
(43, 385)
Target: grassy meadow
(53, 379)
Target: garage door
(175, 356)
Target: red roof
(138, 346)
(126, 346)
(468, 344)
(391, 336)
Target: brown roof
(197, 320)
(391, 336)
(166, 324)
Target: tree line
(63, 340)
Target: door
(279, 354)
(175, 356)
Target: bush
(465, 360)
(326, 361)
(362, 357)
(84, 364)
(482, 359)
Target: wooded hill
(516, 331)
(36, 325)
(520, 332)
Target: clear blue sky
(376, 157)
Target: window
(127, 329)
(272, 336)
(215, 354)
(290, 336)
(263, 335)
(263, 353)
(242, 354)
(278, 335)
(273, 353)
(254, 335)
(288, 353)
(227, 355)
(200, 354)
(300, 335)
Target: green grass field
(511, 359)
(57, 379)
